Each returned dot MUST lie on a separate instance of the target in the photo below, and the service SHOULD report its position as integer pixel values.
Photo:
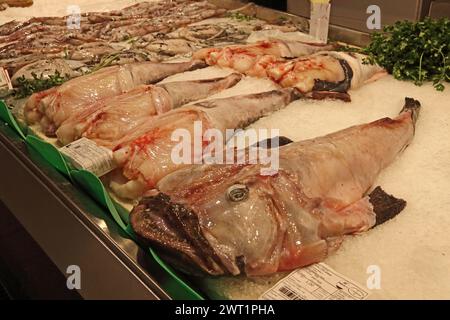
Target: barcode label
(291, 295)
(316, 282)
(86, 154)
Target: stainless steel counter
(71, 228)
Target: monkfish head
(219, 219)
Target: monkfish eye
(237, 192)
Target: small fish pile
(147, 31)
(100, 36)
(230, 220)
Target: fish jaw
(162, 223)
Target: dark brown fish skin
(177, 233)
(385, 206)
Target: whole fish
(229, 219)
(146, 155)
(110, 119)
(50, 108)
(325, 74)
(232, 56)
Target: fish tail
(197, 64)
(413, 106)
(384, 205)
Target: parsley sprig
(416, 51)
(240, 16)
(26, 87)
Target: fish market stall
(361, 151)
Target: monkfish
(248, 52)
(231, 220)
(147, 153)
(324, 74)
(50, 108)
(110, 119)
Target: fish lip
(201, 258)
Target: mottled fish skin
(110, 119)
(51, 108)
(145, 155)
(290, 219)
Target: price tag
(320, 20)
(316, 282)
(86, 154)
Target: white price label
(316, 282)
(320, 20)
(86, 154)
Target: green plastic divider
(123, 213)
(50, 153)
(174, 285)
(92, 184)
(5, 115)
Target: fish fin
(384, 205)
(304, 255)
(197, 64)
(321, 95)
(338, 219)
(267, 143)
(413, 106)
(334, 243)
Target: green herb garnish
(416, 51)
(240, 16)
(106, 61)
(27, 87)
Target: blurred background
(352, 13)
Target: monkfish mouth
(174, 230)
